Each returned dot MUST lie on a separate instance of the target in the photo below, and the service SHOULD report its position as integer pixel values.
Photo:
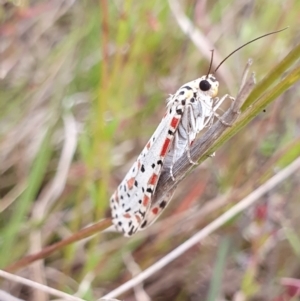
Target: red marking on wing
(138, 218)
(174, 122)
(130, 183)
(155, 210)
(139, 164)
(153, 179)
(146, 200)
(165, 147)
(127, 215)
(148, 145)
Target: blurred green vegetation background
(83, 86)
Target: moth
(188, 111)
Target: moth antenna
(268, 34)
(211, 62)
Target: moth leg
(219, 102)
(221, 120)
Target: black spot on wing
(142, 213)
(144, 224)
(150, 190)
(142, 168)
(163, 204)
(131, 231)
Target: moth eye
(204, 85)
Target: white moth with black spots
(189, 111)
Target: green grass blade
(216, 281)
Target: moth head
(209, 85)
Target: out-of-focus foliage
(83, 86)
